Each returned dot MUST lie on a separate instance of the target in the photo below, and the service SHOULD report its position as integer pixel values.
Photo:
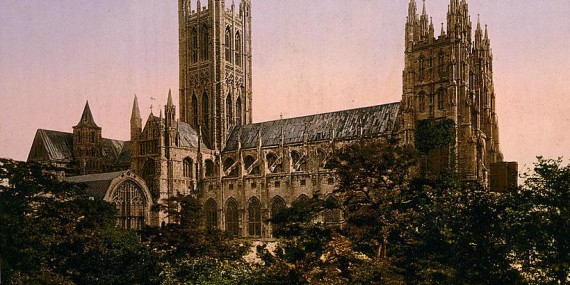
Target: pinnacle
(169, 102)
(136, 114)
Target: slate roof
(97, 184)
(55, 146)
(347, 124)
(52, 146)
(189, 136)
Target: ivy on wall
(431, 134)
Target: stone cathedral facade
(244, 172)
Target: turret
(87, 143)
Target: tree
(372, 176)
(539, 223)
(51, 233)
(189, 253)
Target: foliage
(539, 223)
(431, 134)
(399, 229)
(50, 233)
(191, 254)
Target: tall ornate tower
(87, 144)
(215, 67)
(450, 78)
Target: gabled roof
(97, 184)
(52, 146)
(342, 125)
(55, 146)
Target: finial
(424, 8)
(486, 33)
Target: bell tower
(448, 78)
(215, 67)
(87, 144)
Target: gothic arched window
(228, 42)
(232, 217)
(238, 49)
(205, 110)
(422, 68)
(205, 43)
(252, 169)
(211, 214)
(440, 99)
(274, 164)
(229, 113)
(422, 102)
(131, 204)
(254, 217)
(238, 111)
(187, 167)
(441, 64)
(194, 110)
(210, 168)
(194, 45)
(277, 206)
(148, 175)
(228, 163)
(299, 162)
(302, 199)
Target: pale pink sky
(309, 56)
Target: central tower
(215, 67)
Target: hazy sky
(309, 56)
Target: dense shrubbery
(397, 230)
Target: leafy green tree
(51, 233)
(372, 176)
(190, 253)
(539, 223)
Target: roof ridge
(325, 113)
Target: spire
(169, 102)
(478, 33)
(136, 121)
(136, 113)
(424, 8)
(442, 30)
(87, 118)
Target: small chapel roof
(364, 122)
(97, 184)
(56, 146)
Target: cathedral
(245, 172)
